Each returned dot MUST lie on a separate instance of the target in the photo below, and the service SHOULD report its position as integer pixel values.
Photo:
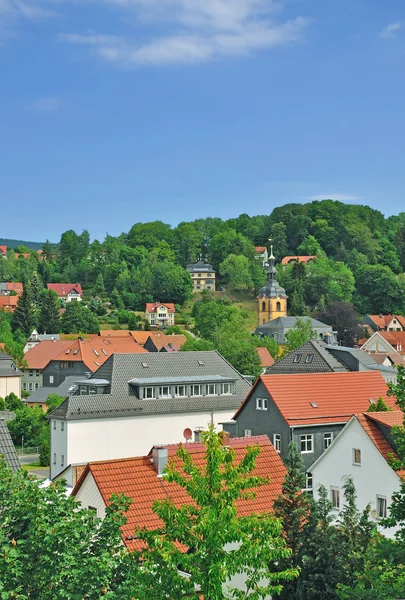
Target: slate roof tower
(272, 299)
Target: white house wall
(373, 478)
(59, 446)
(89, 496)
(10, 385)
(103, 439)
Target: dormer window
(149, 393)
(164, 391)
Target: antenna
(188, 434)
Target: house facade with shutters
(361, 451)
(310, 409)
(160, 314)
(133, 401)
(202, 275)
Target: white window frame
(24, 386)
(335, 495)
(177, 393)
(356, 463)
(30, 386)
(62, 425)
(36, 385)
(51, 379)
(327, 440)
(277, 442)
(309, 483)
(214, 388)
(62, 460)
(261, 404)
(248, 433)
(54, 458)
(307, 439)
(145, 393)
(164, 394)
(195, 389)
(226, 388)
(381, 502)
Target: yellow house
(159, 314)
(203, 276)
(10, 377)
(272, 299)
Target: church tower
(272, 299)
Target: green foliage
(379, 290)
(24, 315)
(197, 345)
(236, 271)
(208, 525)
(242, 355)
(77, 318)
(345, 321)
(379, 406)
(49, 314)
(298, 335)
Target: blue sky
(118, 111)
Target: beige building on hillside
(10, 377)
(203, 276)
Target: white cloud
(46, 104)
(341, 197)
(193, 31)
(391, 31)
(14, 11)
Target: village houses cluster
(130, 397)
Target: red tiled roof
(151, 307)
(63, 289)
(388, 417)
(382, 321)
(137, 479)
(3, 250)
(23, 254)
(337, 395)
(394, 338)
(395, 357)
(260, 249)
(265, 357)
(94, 351)
(115, 333)
(142, 336)
(39, 356)
(8, 302)
(161, 340)
(15, 286)
(301, 259)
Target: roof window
(104, 352)
(95, 352)
(68, 351)
(297, 358)
(96, 363)
(314, 404)
(200, 363)
(75, 352)
(308, 358)
(371, 400)
(145, 365)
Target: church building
(272, 299)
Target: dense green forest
(361, 258)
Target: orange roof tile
(152, 307)
(40, 355)
(265, 357)
(63, 289)
(137, 479)
(394, 338)
(337, 395)
(388, 418)
(301, 259)
(94, 351)
(382, 321)
(260, 249)
(375, 435)
(142, 336)
(3, 250)
(15, 286)
(161, 340)
(8, 303)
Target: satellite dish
(188, 434)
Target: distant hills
(14, 243)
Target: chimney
(160, 456)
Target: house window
(308, 358)
(278, 306)
(30, 386)
(93, 510)
(248, 433)
(149, 392)
(37, 372)
(307, 443)
(226, 388)
(327, 440)
(195, 390)
(309, 483)
(164, 391)
(31, 372)
(83, 390)
(92, 389)
(381, 507)
(277, 442)
(36, 385)
(180, 390)
(54, 458)
(261, 403)
(297, 358)
(54, 424)
(335, 497)
(62, 425)
(62, 460)
(356, 456)
(51, 379)
(263, 306)
(211, 389)
(24, 386)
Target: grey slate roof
(7, 367)
(363, 357)
(200, 267)
(120, 399)
(7, 448)
(322, 361)
(41, 394)
(289, 322)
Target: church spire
(272, 299)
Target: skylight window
(96, 363)
(297, 358)
(145, 365)
(200, 363)
(75, 352)
(314, 404)
(371, 400)
(104, 352)
(68, 351)
(308, 358)
(95, 352)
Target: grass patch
(35, 466)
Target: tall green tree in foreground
(222, 544)
(24, 315)
(49, 314)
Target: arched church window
(278, 306)
(263, 305)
